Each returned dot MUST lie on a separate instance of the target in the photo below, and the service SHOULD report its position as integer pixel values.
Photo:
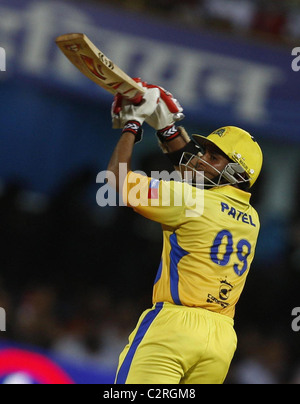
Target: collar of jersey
(233, 192)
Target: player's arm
(149, 190)
(175, 147)
(121, 155)
(131, 118)
(173, 140)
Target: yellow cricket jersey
(209, 240)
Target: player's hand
(168, 110)
(124, 111)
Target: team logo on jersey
(225, 290)
(224, 294)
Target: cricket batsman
(209, 241)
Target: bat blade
(81, 51)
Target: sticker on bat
(90, 64)
(73, 48)
(115, 86)
(106, 61)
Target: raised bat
(97, 67)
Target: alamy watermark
(2, 319)
(296, 321)
(2, 60)
(296, 61)
(161, 189)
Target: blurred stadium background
(75, 277)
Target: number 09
(243, 250)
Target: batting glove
(168, 112)
(124, 111)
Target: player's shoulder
(181, 187)
(230, 192)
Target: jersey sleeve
(165, 202)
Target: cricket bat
(97, 67)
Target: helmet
(240, 147)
